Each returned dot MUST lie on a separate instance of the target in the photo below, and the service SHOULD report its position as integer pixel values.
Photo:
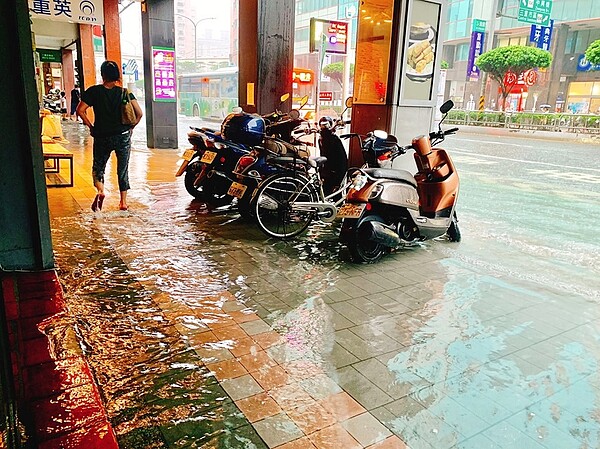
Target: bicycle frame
(326, 209)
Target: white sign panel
(77, 11)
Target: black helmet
(247, 129)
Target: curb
(58, 399)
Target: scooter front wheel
(273, 202)
(453, 232)
(361, 248)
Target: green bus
(209, 95)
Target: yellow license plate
(350, 210)
(189, 154)
(208, 157)
(237, 190)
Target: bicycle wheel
(273, 205)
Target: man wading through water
(107, 130)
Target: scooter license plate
(188, 154)
(237, 190)
(208, 157)
(350, 210)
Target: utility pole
(489, 44)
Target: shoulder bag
(127, 112)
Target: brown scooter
(386, 208)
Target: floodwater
(185, 314)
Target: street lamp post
(195, 24)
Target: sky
(131, 22)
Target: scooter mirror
(284, 97)
(294, 114)
(444, 108)
(380, 134)
(303, 101)
(349, 102)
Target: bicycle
(285, 204)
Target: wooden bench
(54, 153)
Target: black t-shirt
(107, 109)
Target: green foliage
(592, 54)
(514, 58)
(444, 65)
(335, 71)
(186, 67)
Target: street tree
(506, 64)
(592, 54)
(335, 71)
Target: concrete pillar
(88, 62)
(112, 31)
(158, 28)
(68, 72)
(25, 241)
(397, 102)
(266, 49)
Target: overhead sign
(479, 25)
(475, 50)
(535, 11)
(47, 55)
(541, 36)
(76, 11)
(163, 74)
(329, 36)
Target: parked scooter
(209, 165)
(386, 208)
(277, 154)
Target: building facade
(570, 84)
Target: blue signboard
(474, 51)
(583, 65)
(541, 36)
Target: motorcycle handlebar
(451, 131)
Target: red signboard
(326, 96)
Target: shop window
(581, 88)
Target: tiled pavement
(298, 348)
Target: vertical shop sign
(474, 51)
(541, 36)
(77, 11)
(163, 74)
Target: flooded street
(203, 333)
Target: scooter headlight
(376, 191)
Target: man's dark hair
(110, 71)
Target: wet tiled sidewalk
(240, 341)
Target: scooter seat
(389, 173)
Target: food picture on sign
(163, 60)
(420, 55)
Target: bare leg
(97, 204)
(123, 202)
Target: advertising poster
(163, 74)
(421, 52)
(475, 50)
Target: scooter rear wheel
(362, 249)
(273, 205)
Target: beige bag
(127, 112)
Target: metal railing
(537, 121)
